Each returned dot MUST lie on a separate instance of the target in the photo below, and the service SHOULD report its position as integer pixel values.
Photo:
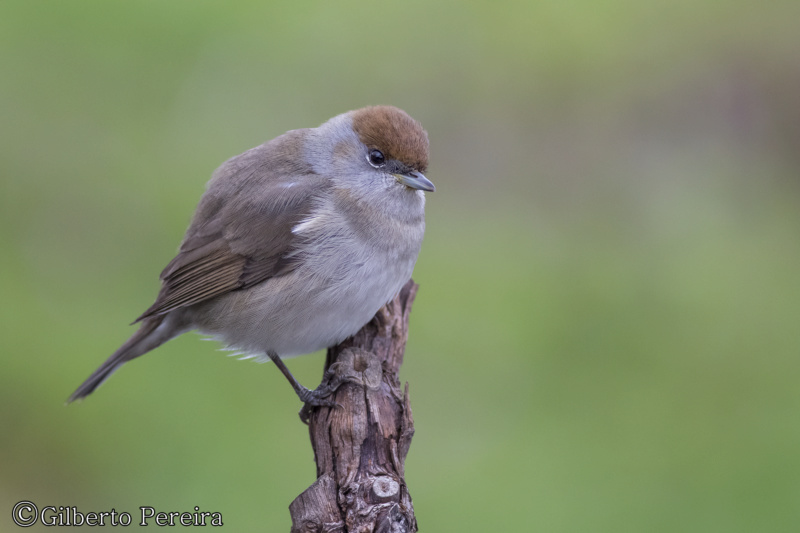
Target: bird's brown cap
(393, 132)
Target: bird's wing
(241, 233)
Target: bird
(295, 244)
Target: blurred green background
(606, 333)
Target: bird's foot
(318, 397)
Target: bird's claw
(318, 397)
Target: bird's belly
(308, 309)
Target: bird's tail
(153, 332)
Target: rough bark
(360, 446)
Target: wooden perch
(360, 446)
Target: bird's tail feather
(153, 332)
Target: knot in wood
(385, 489)
(358, 366)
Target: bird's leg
(317, 397)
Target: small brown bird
(296, 243)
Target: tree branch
(360, 446)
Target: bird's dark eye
(376, 158)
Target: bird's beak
(415, 180)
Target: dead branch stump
(360, 447)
